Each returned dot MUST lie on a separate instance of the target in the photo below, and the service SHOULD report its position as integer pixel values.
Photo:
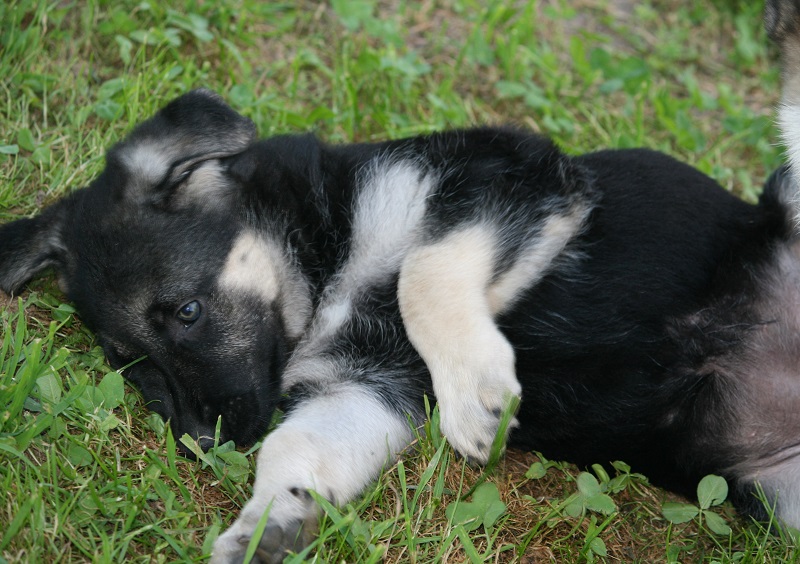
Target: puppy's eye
(189, 313)
(182, 177)
(177, 178)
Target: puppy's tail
(782, 21)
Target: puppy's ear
(172, 159)
(28, 246)
(782, 21)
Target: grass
(88, 474)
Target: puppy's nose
(205, 443)
(202, 434)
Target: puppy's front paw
(280, 536)
(472, 394)
(472, 423)
(333, 443)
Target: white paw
(291, 526)
(473, 392)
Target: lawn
(88, 474)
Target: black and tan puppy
(640, 311)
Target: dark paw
(278, 541)
(472, 461)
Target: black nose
(205, 443)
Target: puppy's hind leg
(449, 293)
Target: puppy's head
(193, 290)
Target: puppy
(639, 310)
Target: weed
(711, 491)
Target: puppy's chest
(385, 218)
(389, 207)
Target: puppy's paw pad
(291, 526)
(276, 543)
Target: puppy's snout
(205, 443)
